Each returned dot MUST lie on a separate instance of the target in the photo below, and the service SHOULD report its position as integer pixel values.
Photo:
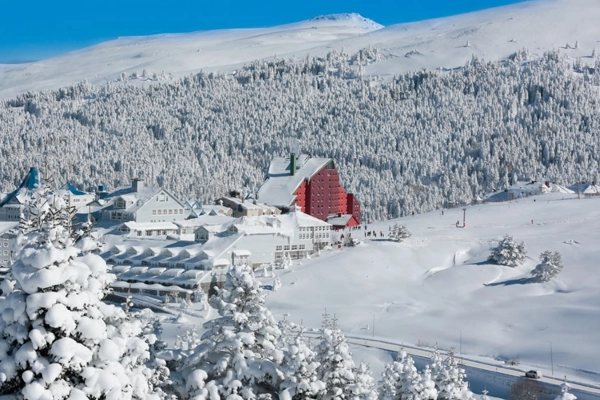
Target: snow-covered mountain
(566, 25)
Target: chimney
(292, 164)
(137, 184)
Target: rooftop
(279, 188)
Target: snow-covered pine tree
(550, 265)
(336, 367)
(57, 338)
(238, 354)
(425, 389)
(399, 233)
(188, 340)
(401, 380)
(508, 252)
(364, 384)
(449, 378)
(565, 394)
(391, 383)
(276, 284)
(300, 372)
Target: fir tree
(58, 339)
(238, 353)
(508, 252)
(550, 265)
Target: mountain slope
(447, 42)
(180, 54)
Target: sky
(35, 29)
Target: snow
(449, 42)
(438, 286)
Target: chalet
(77, 198)
(12, 205)
(311, 183)
(144, 204)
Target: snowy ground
(569, 26)
(437, 287)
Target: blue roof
(31, 181)
(73, 190)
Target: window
(278, 248)
(294, 247)
(5, 244)
(153, 212)
(159, 212)
(139, 233)
(148, 233)
(302, 247)
(286, 247)
(170, 211)
(181, 211)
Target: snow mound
(349, 17)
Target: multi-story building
(144, 205)
(311, 183)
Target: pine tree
(336, 367)
(58, 339)
(238, 353)
(364, 384)
(300, 370)
(550, 265)
(508, 252)
(565, 394)
(449, 378)
(399, 233)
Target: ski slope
(569, 26)
(438, 288)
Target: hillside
(438, 286)
(543, 25)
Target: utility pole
(551, 356)
(465, 217)
(373, 314)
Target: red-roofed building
(311, 183)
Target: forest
(417, 142)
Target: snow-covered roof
(145, 226)
(7, 226)
(242, 253)
(216, 208)
(204, 220)
(338, 220)
(30, 181)
(279, 188)
(592, 189)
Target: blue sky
(34, 29)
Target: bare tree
(526, 389)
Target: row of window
(119, 216)
(287, 247)
(313, 228)
(168, 211)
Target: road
(590, 391)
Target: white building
(77, 198)
(144, 204)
